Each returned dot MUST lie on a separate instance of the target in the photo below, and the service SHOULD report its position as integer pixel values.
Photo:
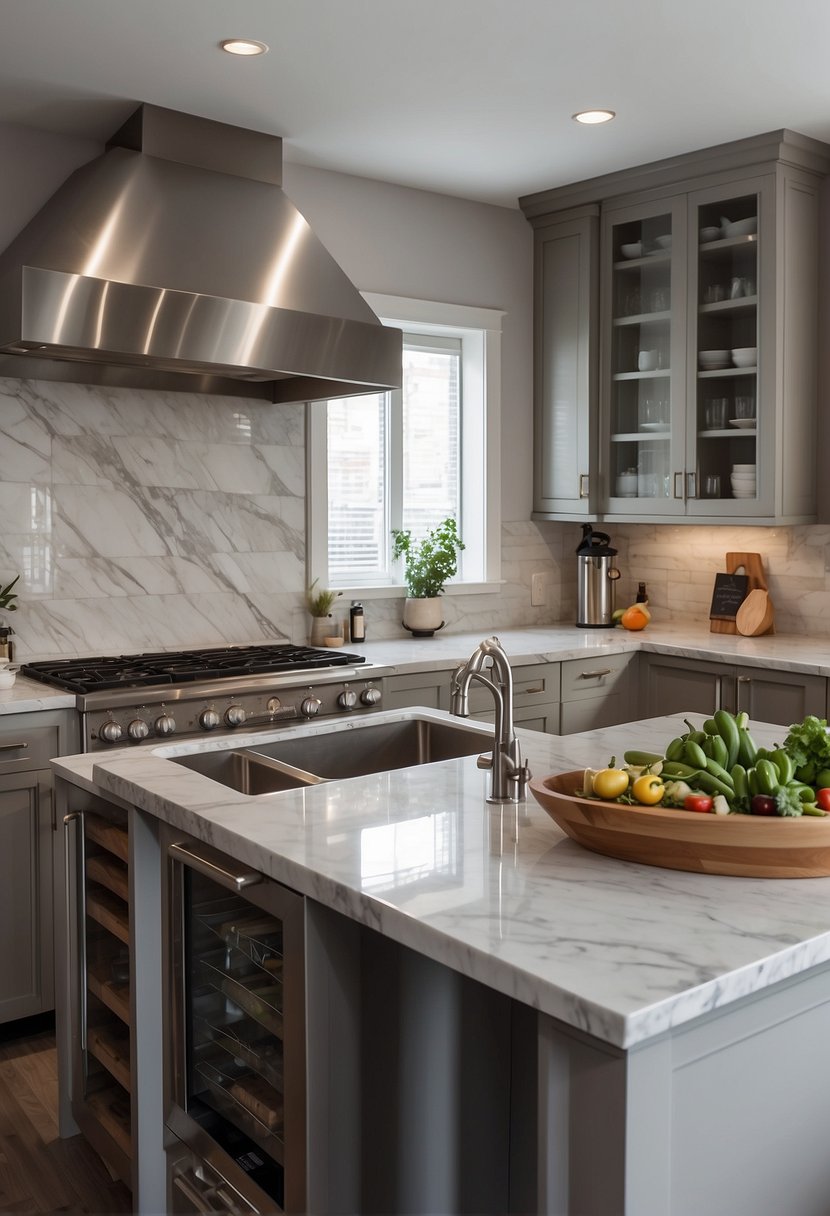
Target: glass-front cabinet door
(731, 367)
(644, 326)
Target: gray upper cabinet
(566, 379)
(699, 398)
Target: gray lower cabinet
(429, 688)
(536, 690)
(598, 691)
(672, 685)
(27, 742)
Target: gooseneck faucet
(510, 774)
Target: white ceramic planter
(423, 617)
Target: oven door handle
(207, 861)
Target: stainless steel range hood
(175, 261)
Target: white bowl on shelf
(745, 356)
(664, 241)
(633, 250)
(708, 234)
(744, 468)
(742, 423)
(745, 227)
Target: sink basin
(291, 763)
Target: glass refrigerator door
(234, 1028)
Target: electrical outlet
(538, 591)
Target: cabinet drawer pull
(593, 675)
(678, 485)
(12, 747)
(583, 485)
(691, 485)
(525, 691)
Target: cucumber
(730, 734)
(641, 759)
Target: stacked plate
(743, 480)
(714, 360)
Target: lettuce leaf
(809, 745)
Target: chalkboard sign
(730, 592)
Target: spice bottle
(357, 622)
(642, 594)
(6, 644)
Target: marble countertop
(620, 950)
(537, 644)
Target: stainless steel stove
(145, 697)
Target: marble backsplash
(143, 520)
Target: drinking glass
(711, 485)
(744, 407)
(716, 413)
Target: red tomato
(823, 799)
(698, 802)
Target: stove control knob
(209, 719)
(347, 699)
(370, 696)
(138, 730)
(110, 732)
(165, 725)
(310, 707)
(234, 715)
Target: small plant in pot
(319, 605)
(7, 597)
(428, 564)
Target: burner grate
(184, 667)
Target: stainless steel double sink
(292, 763)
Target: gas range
(141, 697)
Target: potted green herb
(319, 605)
(428, 565)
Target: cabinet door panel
(780, 696)
(595, 713)
(672, 686)
(566, 346)
(430, 689)
(26, 901)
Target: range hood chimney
(175, 261)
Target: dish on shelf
(664, 242)
(654, 426)
(744, 845)
(712, 360)
(742, 423)
(709, 234)
(633, 250)
(745, 356)
(747, 227)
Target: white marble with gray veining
(622, 951)
(28, 696)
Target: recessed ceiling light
(592, 117)
(243, 46)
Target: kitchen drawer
(533, 684)
(600, 675)
(428, 688)
(595, 712)
(29, 741)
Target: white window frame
(480, 330)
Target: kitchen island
(677, 1021)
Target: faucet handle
(485, 761)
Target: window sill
(399, 591)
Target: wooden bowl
(745, 845)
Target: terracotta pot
(423, 617)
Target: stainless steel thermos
(596, 580)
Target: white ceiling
(465, 97)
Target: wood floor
(39, 1172)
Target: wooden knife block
(751, 565)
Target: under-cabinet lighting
(593, 117)
(243, 46)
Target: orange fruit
(635, 618)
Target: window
(408, 459)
